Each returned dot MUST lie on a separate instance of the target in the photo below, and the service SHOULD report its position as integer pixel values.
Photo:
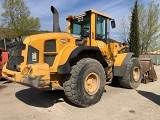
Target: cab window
(79, 23)
(101, 28)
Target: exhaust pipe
(56, 27)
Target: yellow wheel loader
(80, 61)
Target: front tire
(133, 75)
(85, 84)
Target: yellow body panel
(64, 49)
(62, 57)
(119, 59)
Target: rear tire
(133, 75)
(85, 84)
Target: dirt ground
(18, 102)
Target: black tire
(129, 80)
(75, 87)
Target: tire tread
(70, 83)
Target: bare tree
(149, 27)
(124, 30)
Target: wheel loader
(80, 61)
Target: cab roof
(92, 11)
(100, 13)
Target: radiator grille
(15, 56)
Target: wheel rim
(91, 83)
(136, 73)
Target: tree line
(16, 19)
(142, 32)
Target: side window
(101, 27)
(49, 52)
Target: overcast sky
(115, 8)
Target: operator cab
(92, 24)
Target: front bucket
(149, 74)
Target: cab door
(101, 33)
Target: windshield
(78, 23)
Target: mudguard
(121, 62)
(66, 68)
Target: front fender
(121, 62)
(66, 68)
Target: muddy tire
(133, 75)
(85, 84)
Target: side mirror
(113, 23)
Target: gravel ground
(18, 102)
